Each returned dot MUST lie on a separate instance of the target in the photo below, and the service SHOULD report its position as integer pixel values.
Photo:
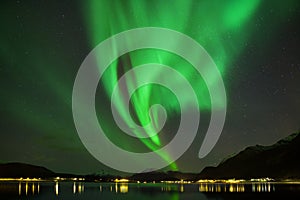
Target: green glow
(237, 12)
(208, 23)
(41, 52)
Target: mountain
(280, 161)
(17, 170)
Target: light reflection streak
(124, 188)
(56, 188)
(74, 187)
(181, 188)
(20, 188)
(166, 188)
(26, 188)
(236, 187)
(116, 188)
(30, 188)
(119, 187)
(263, 187)
(33, 188)
(209, 187)
(78, 187)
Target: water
(81, 190)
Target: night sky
(43, 43)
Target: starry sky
(43, 43)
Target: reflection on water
(78, 187)
(84, 190)
(33, 188)
(221, 187)
(263, 187)
(238, 187)
(181, 188)
(124, 188)
(27, 188)
(56, 188)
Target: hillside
(17, 170)
(280, 160)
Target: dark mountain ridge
(280, 160)
(17, 170)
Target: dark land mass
(278, 161)
(22, 170)
(17, 170)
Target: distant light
(121, 180)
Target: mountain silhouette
(279, 161)
(17, 170)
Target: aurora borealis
(253, 43)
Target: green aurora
(43, 45)
(207, 28)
